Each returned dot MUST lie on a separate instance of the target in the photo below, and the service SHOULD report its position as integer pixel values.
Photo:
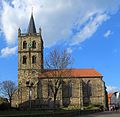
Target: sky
(89, 30)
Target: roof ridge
(78, 72)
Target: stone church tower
(30, 60)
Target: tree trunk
(55, 100)
(10, 102)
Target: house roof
(72, 73)
(109, 97)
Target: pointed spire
(31, 27)
(19, 31)
(40, 30)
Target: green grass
(32, 112)
(15, 113)
(44, 112)
(28, 112)
(71, 108)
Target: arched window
(69, 88)
(24, 59)
(24, 45)
(33, 59)
(33, 44)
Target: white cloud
(112, 89)
(80, 48)
(107, 34)
(69, 50)
(89, 29)
(8, 51)
(57, 18)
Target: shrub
(94, 106)
(4, 106)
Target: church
(82, 88)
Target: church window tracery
(24, 45)
(33, 44)
(33, 59)
(24, 59)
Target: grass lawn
(15, 113)
(30, 112)
(39, 112)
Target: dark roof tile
(31, 27)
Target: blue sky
(90, 32)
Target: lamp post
(29, 84)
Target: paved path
(103, 114)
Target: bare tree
(57, 64)
(8, 89)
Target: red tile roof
(74, 73)
(109, 97)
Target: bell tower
(30, 59)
